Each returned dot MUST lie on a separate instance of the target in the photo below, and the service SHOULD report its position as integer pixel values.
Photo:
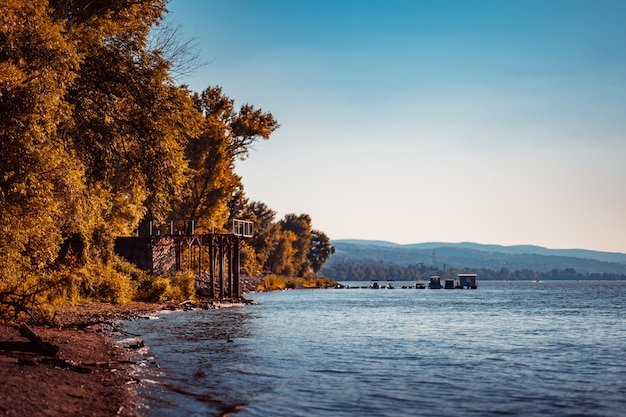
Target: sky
(497, 122)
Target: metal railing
(243, 228)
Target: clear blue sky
(411, 121)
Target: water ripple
(506, 349)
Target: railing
(243, 228)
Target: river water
(507, 348)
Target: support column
(229, 261)
(200, 257)
(212, 266)
(221, 256)
(236, 264)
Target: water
(508, 348)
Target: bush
(182, 286)
(39, 295)
(178, 287)
(104, 283)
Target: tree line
(96, 135)
(370, 270)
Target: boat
(467, 281)
(420, 285)
(390, 285)
(375, 285)
(435, 283)
(448, 283)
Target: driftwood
(42, 347)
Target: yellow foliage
(182, 286)
(277, 282)
(84, 157)
(178, 287)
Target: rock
(132, 343)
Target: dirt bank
(88, 376)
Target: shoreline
(90, 375)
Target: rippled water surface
(507, 348)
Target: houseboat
(467, 281)
(448, 284)
(435, 283)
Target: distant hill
(475, 255)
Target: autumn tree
(300, 225)
(130, 123)
(226, 135)
(281, 258)
(321, 249)
(266, 231)
(288, 247)
(39, 179)
(93, 135)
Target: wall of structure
(136, 250)
(165, 255)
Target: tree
(39, 179)
(266, 230)
(321, 249)
(95, 135)
(301, 227)
(225, 136)
(181, 53)
(92, 136)
(280, 260)
(130, 123)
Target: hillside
(474, 255)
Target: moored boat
(467, 281)
(448, 283)
(435, 283)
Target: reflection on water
(553, 348)
(193, 357)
